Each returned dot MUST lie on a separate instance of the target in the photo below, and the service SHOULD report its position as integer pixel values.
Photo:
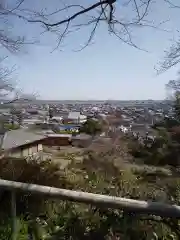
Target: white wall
(40, 147)
(30, 150)
(25, 152)
(16, 153)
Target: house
(57, 140)
(56, 119)
(29, 121)
(32, 111)
(69, 128)
(21, 143)
(76, 118)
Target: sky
(107, 69)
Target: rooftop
(76, 115)
(20, 137)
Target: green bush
(9, 126)
(91, 127)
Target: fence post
(13, 216)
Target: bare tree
(66, 18)
(9, 93)
(63, 18)
(173, 85)
(12, 43)
(172, 56)
(8, 40)
(6, 85)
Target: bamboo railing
(148, 207)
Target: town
(26, 129)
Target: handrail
(131, 205)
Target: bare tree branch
(6, 85)
(16, 7)
(172, 4)
(83, 15)
(172, 58)
(73, 16)
(109, 10)
(94, 28)
(106, 14)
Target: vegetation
(9, 126)
(52, 219)
(164, 150)
(152, 173)
(91, 127)
(66, 131)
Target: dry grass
(65, 155)
(63, 163)
(62, 150)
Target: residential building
(21, 143)
(76, 118)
